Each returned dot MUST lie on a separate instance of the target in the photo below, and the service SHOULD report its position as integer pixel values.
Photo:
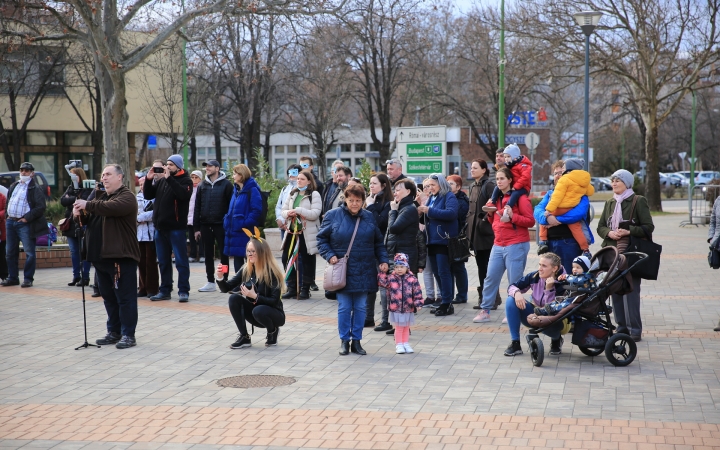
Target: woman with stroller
(544, 287)
(626, 214)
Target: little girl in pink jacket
(404, 296)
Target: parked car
(601, 183)
(8, 178)
(678, 180)
(705, 177)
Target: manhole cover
(255, 381)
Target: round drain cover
(255, 381)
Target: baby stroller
(590, 311)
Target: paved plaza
(456, 391)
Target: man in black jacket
(211, 204)
(25, 213)
(306, 162)
(394, 170)
(171, 190)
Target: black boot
(85, 282)
(291, 293)
(717, 328)
(272, 337)
(556, 346)
(385, 326)
(344, 347)
(96, 291)
(479, 289)
(304, 293)
(355, 347)
(75, 281)
(445, 309)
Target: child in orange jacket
(521, 168)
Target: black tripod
(80, 237)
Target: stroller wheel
(620, 350)
(591, 351)
(537, 352)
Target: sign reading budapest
(433, 150)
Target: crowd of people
(387, 236)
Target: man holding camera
(25, 221)
(111, 245)
(211, 204)
(172, 193)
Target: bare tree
(380, 39)
(660, 48)
(317, 96)
(102, 27)
(28, 74)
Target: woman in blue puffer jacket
(367, 254)
(244, 212)
(441, 224)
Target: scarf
(617, 217)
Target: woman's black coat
(402, 232)
(267, 295)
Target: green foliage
(535, 200)
(639, 186)
(365, 173)
(263, 176)
(54, 211)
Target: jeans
(351, 315)
(511, 258)
(120, 299)
(3, 261)
(443, 276)
(460, 277)
(169, 242)
(567, 249)
(429, 279)
(632, 314)
(74, 244)
(515, 316)
(261, 316)
(211, 236)
(20, 232)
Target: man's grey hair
(442, 182)
(394, 162)
(336, 162)
(118, 169)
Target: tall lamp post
(587, 20)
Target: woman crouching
(261, 284)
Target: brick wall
(55, 256)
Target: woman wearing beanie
(626, 214)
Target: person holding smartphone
(261, 283)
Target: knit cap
(197, 173)
(574, 164)
(177, 160)
(583, 262)
(401, 259)
(624, 176)
(512, 150)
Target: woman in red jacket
(511, 245)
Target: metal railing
(700, 202)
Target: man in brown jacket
(111, 245)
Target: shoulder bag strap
(357, 223)
(632, 213)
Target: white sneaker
(505, 218)
(400, 349)
(209, 287)
(408, 349)
(191, 259)
(202, 260)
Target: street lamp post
(587, 20)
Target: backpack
(264, 211)
(49, 238)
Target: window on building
(45, 163)
(358, 162)
(345, 148)
(304, 149)
(292, 148)
(78, 139)
(280, 172)
(40, 138)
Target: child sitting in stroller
(580, 280)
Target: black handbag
(714, 258)
(649, 267)
(459, 248)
